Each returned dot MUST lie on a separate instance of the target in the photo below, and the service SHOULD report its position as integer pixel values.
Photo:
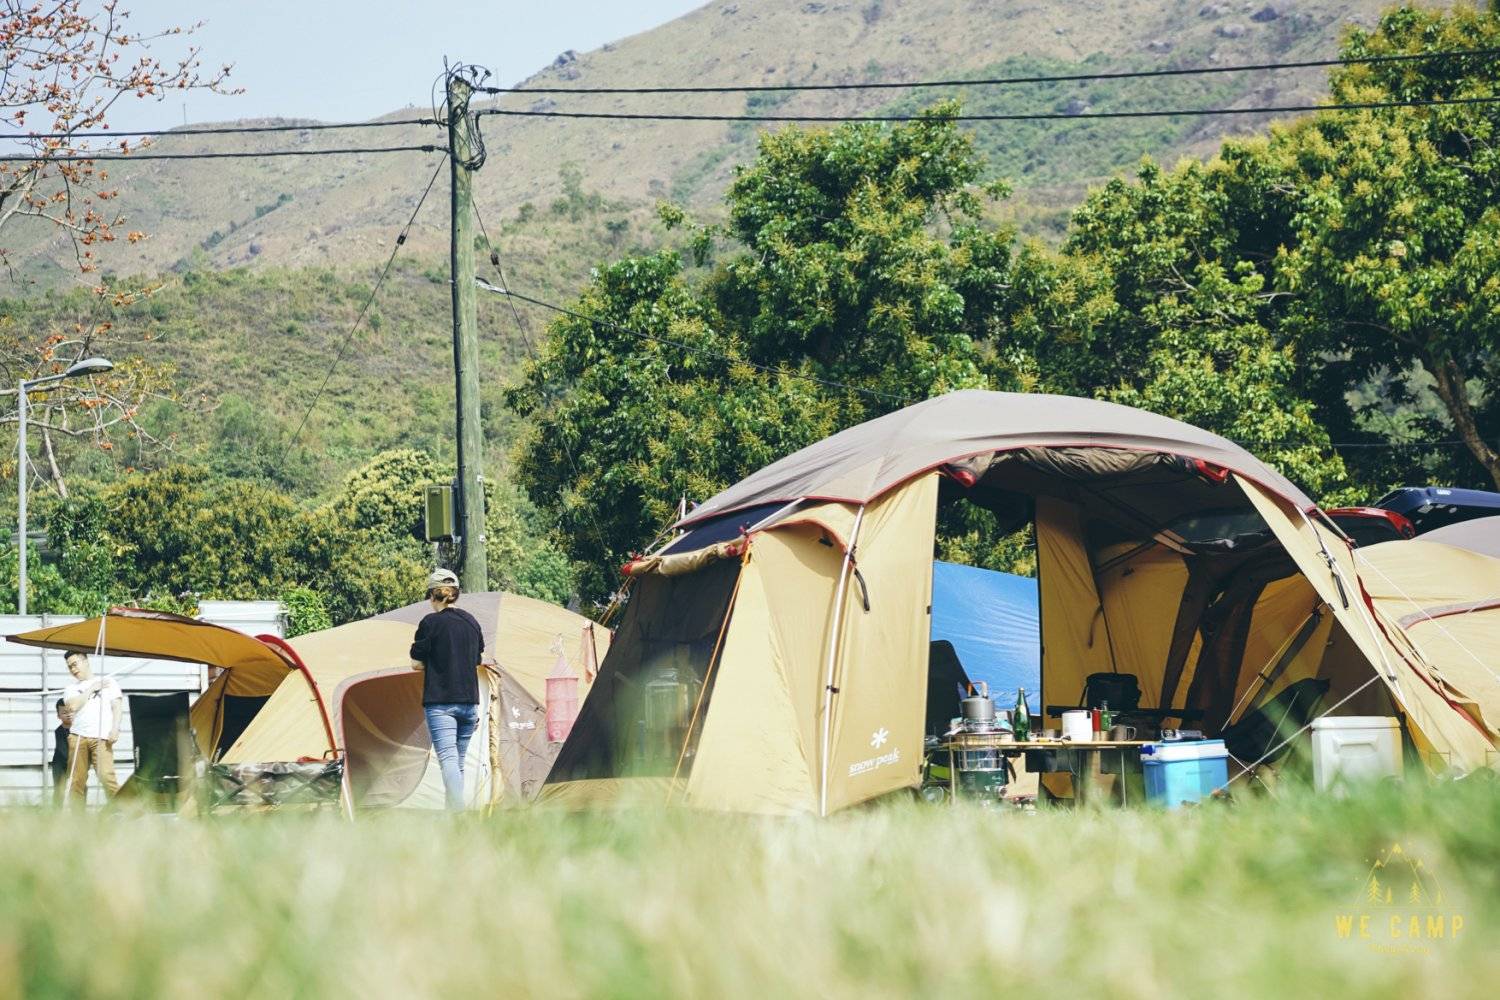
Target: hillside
(342, 213)
(250, 347)
(267, 262)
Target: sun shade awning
(256, 669)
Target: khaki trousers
(85, 752)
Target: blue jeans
(451, 726)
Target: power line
(522, 328)
(1014, 117)
(1002, 81)
(128, 157)
(226, 130)
(349, 336)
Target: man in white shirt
(96, 704)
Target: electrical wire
(1029, 116)
(226, 130)
(129, 157)
(637, 334)
(1003, 81)
(525, 332)
(349, 336)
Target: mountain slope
(343, 212)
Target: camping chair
(164, 750)
(1264, 735)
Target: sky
(349, 60)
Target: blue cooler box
(1183, 772)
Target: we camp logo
(1401, 907)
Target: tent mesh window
(645, 711)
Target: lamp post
(88, 366)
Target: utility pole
(473, 570)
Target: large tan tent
(774, 656)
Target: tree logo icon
(1397, 878)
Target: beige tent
(350, 692)
(1446, 602)
(774, 656)
(1481, 534)
(360, 674)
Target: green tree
(305, 610)
(385, 495)
(858, 278)
(1395, 265)
(525, 557)
(1167, 307)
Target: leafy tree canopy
(857, 278)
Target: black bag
(1122, 692)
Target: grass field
(894, 901)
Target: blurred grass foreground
(1262, 899)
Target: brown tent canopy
(859, 464)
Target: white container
(1354, 748)
(1078, 727)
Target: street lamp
(88, 366)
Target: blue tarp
(992, 619)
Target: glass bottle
(1020, 720)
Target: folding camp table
(1082, 761)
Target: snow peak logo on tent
(878, 739)
(514, 722)
(1401, 908)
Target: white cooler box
(1354, 748)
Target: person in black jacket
(60, 751)
(447, 649)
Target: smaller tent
(362, 673)
(1480, 535)
(350, 692)
(1446, 602)
(991, 618)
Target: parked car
(1430, 507)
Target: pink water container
(562, 701)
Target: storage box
(1176, 773)
(1351, 749)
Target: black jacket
(449, 643)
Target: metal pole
(833, 651)
(21, 494)
(473, 571)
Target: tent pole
(1365, 615)
(833, 650)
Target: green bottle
(1020, 720)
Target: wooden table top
(987, 741)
